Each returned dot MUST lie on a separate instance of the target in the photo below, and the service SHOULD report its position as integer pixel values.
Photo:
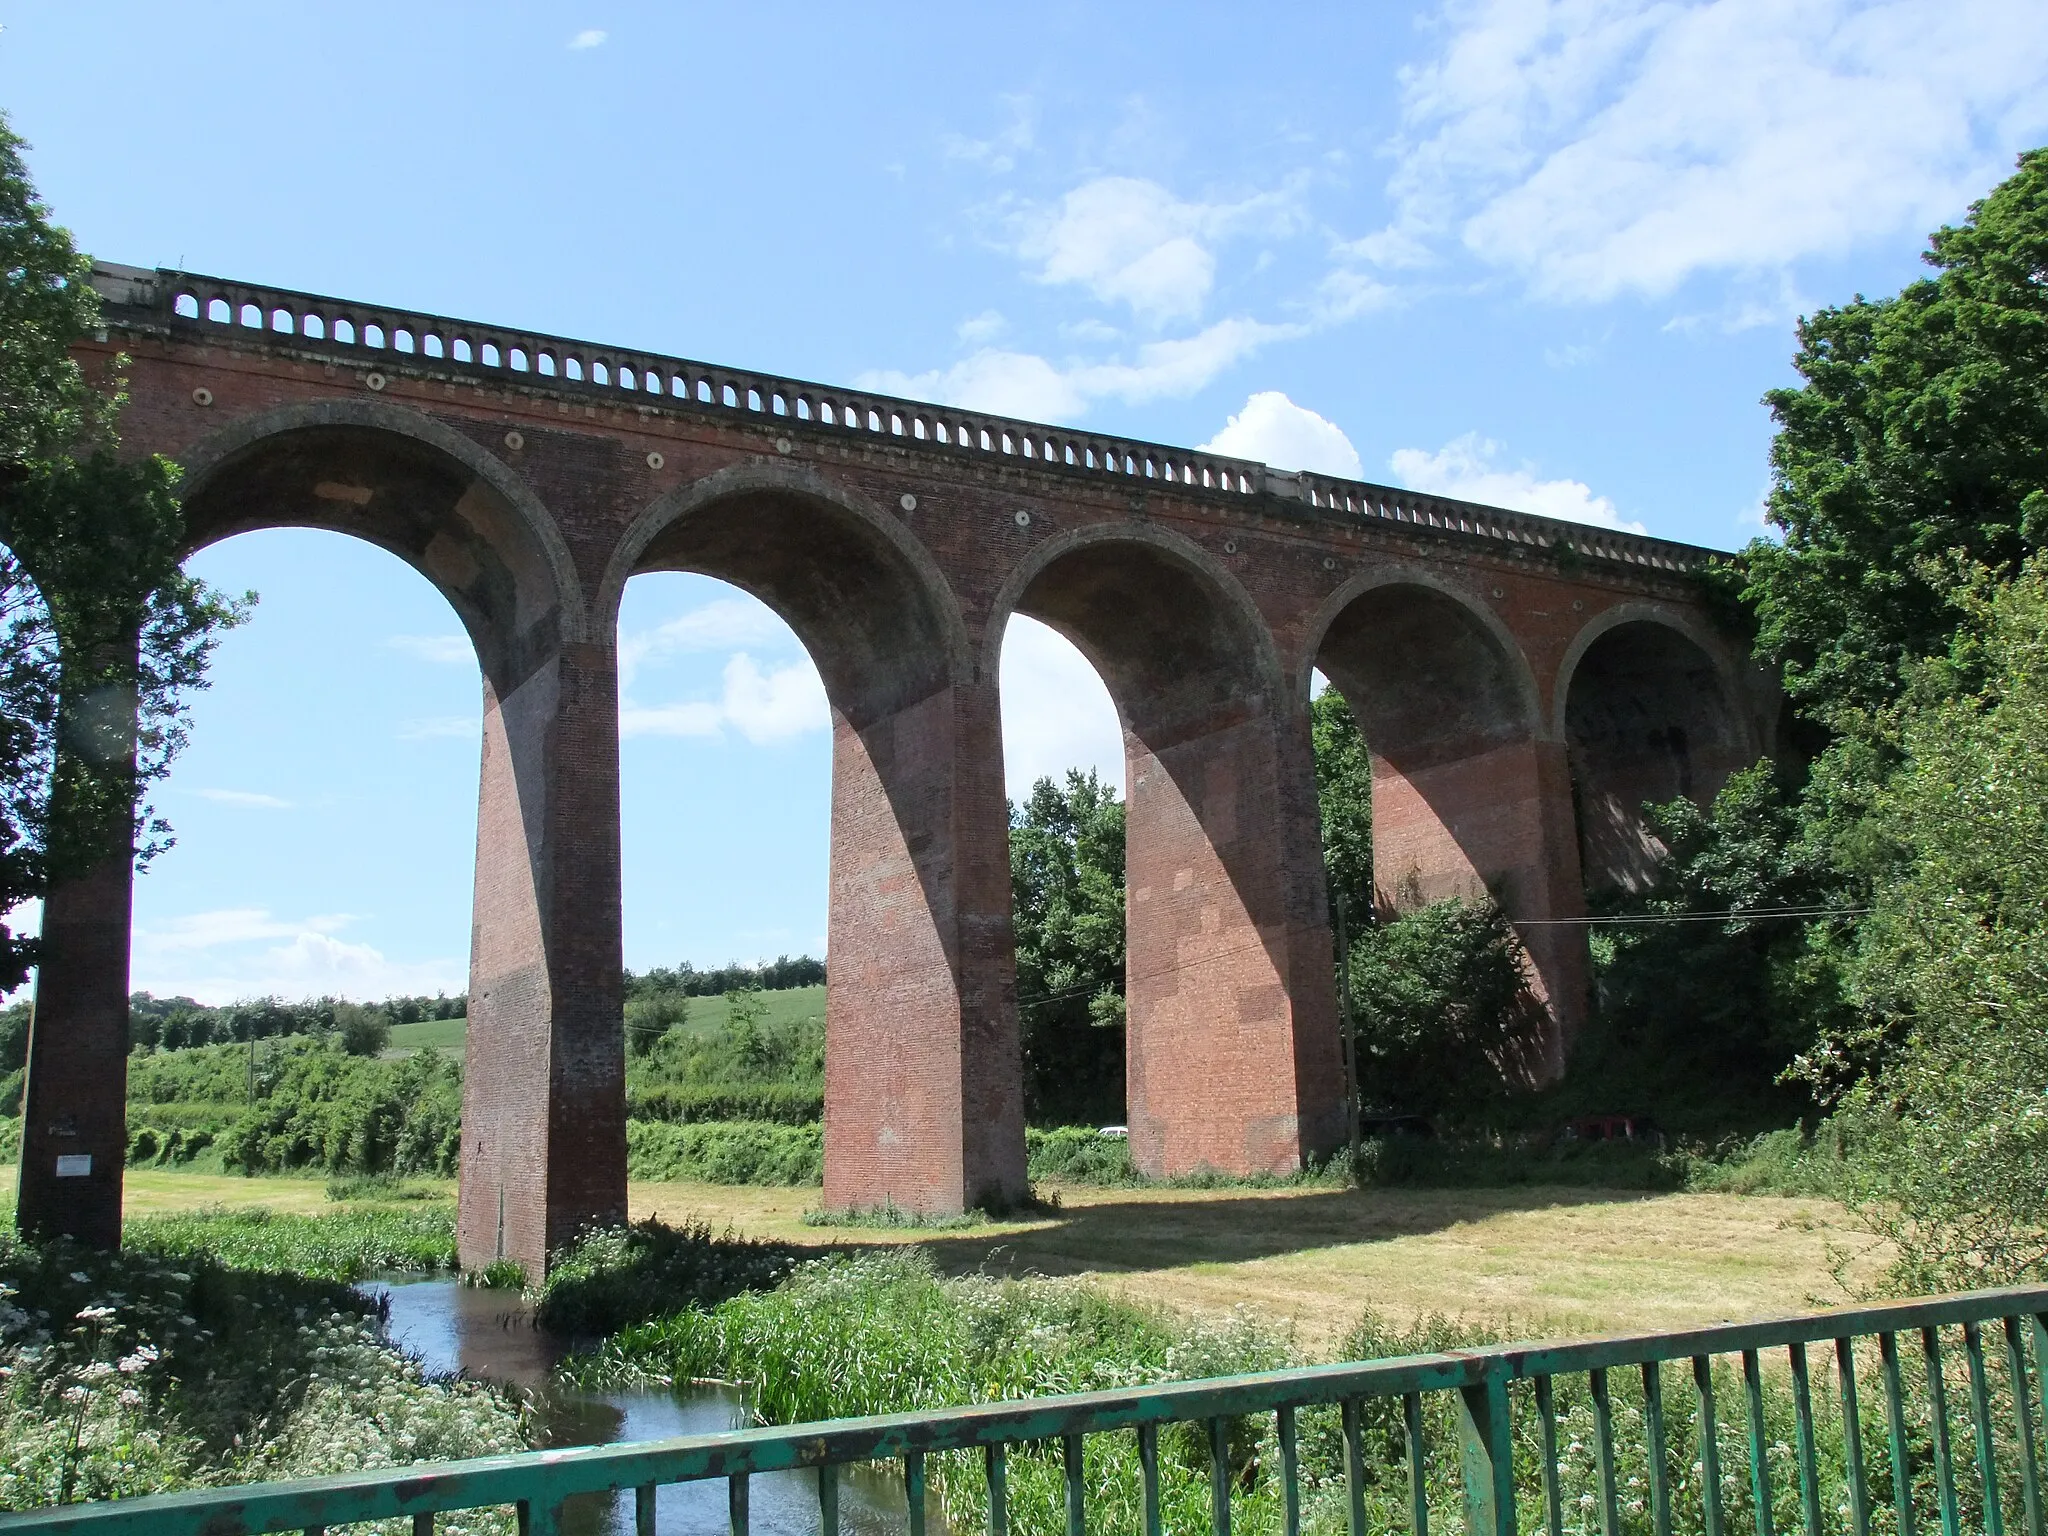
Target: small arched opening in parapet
(1230, 1047)
(1647, 711)
(856, 641)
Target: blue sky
(1546, 253)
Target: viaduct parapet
(1524, 685)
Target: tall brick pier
(1523, 684)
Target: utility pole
(1351, 1084)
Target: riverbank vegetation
(165, 1367)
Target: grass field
(1547, 1262)
(1551, 1262)
(706, 1014)
(429, 1035)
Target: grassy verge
(612, 1280)
(344, 1244)
(884, 1333)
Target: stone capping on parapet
(144, 300)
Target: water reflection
(491, 1335)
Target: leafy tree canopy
(102, 636)
(1921, 430)
(1344, 793)
(1067, 894)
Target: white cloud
(227, 926)
(763, 706)
(981, 329)
(246, 797)
(447, 650)
(1276, 431)
(1026, 385)
(999, 152)
(1602, 147)
(1465, 468)
(590, 37)
(1056, 712)
(1130, 241)
(719, 625)
(232, 953)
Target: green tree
(1344, 795)
(1446, 1021)
(652, 1014)
(1067, 894)
(1921, 430)
(91, 590)
(1949, 1059)
(1698, 1015)
(363, 1031)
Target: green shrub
(730, 1152)
(352, 1114)
(1447, 1024)
(612, 1279)
(1078, 1154)
(697, 1103)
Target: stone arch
(1647, 702)
(861, 593)
(1220, 585)
(1231, 1058)
(923, 1090)
(1469, 797)
(411, 485)
(1520, 675)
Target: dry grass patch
(1549, 1261)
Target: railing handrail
(146, 299)
(542, 1479)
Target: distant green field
(706, 1014)
(428, 1035)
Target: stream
(491, 1335)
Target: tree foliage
(104, 635)
(1948, 1059)
(1698, 1014)
(1921, 430)
(1067, 894)
(1344, 796)
(1446, 1020)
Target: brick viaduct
(1523, 685)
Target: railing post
(1486, 1447)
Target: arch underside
(410, 498)
(1648, 721)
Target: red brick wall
(899, 565)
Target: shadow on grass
(1146, 1231)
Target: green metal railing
(1654, 1464)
